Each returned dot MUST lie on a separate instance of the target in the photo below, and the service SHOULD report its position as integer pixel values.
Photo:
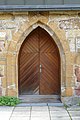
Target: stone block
(11, 92)
(69, 91)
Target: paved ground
(74, 112)
(39, 113)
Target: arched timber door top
(39, 65)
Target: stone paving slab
(20, 118)
(74, 113)
(5, 112)
(59, 113)
(75, 118)
(5, 116)
(24, 114)
(23, 108)
(52, 108)
(60, 118)
(5, 108)
(74, 108)
(40, 118)
(40, 108)
(39, 113)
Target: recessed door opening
(39, 65)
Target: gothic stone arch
(12, 56)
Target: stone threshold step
(40, 98)
(40, 104)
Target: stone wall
(64, 27)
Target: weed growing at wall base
(9, 101)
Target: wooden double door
(39, 65)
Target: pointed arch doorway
(39, 65)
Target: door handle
(40, 68)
